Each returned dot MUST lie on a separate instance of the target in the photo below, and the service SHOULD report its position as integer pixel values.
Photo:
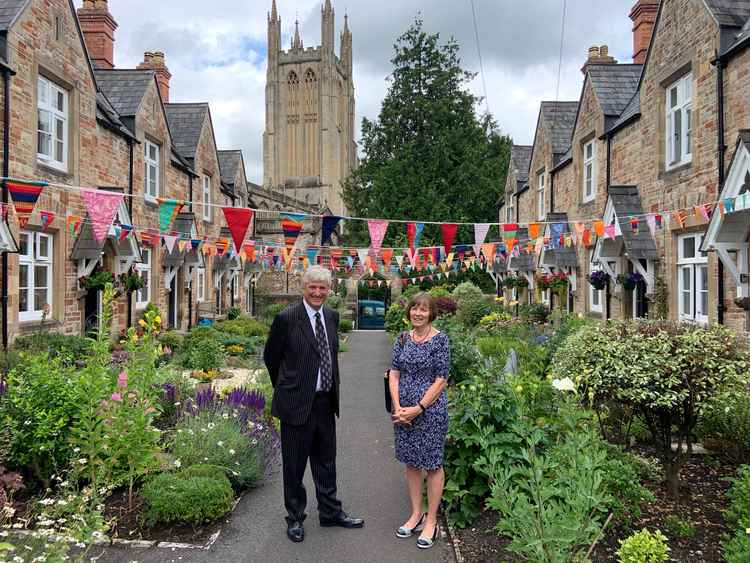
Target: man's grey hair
(317, 274)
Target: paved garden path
(371, 485)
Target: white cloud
(216, 52)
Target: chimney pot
(98, 27)
(603, 51)
(643, 15)
(155, 60)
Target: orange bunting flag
(387, 255)
(534, 229)
(587, 237)
(681, 217)
(599, 228)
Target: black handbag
(387, 381)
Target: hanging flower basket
(599, 279)
(97, 280)
(743, 303)
(558, 282)
(518, 282)
(630, 281)
(131, 281)
(543, 282)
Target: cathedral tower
(308, 144)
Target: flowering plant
(132, 280)
(630, 281)
(543, 281)
(518, 282)
(97, 280)
(599, 279)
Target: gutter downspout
(190, 293)
(130, 212)
(609, 162)
(721, 151)
(7, 73)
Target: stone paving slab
(371, 485)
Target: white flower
(62, 503)
(225, 416)
(211, 425)
(47, 501)
(177, 463)
(179, 431)
(254, 442)
(204, 429)
(27, 423)
(220, 444)
(231, 452)
(177, 404)
(76, 450)
(565, 384)
(83, 461)
(235, 473)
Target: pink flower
(122, 380)
(116, 397)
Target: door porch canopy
(556, 254)
(635, 244)
(729, 230)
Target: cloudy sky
(216, 51)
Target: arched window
(293, 86)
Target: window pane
(677, 116)
(703, 301)
(595, 298)
(43, 121)
(688, 131)
(42, 92)
(59, 129)
(40, 299)
(687, 88)
(23, 244)
(23, 278)
(152, 152)
(60, 102)
(687, 291)
(42, 250)
(59, 151)
(673, 97)
(688, 247)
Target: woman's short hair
(316, 274)
(425, 299)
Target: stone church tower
(308, 144)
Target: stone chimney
(598, 55)
(98, 27)
(155, 61)
(643, 15)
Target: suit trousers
(316, 440)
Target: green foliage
(552, 504)
(439, 291)
(233, 313)
(272, 310)
(737, 547)
(725, 425)
(534, 313)
(666, 373)
(335, 301)
(394, 318)
(660, 306)
(467, 292)
(172, 339)
(644, 547)
(678, 528)
(68, 348)
(482, 416)
(209, 438)
(471, 304)
(205, 355)
(622, 479)
(179, 498)
(410, 292)
(232, 344)
(427, 155)
(465, 358)
(247, 327)
(345, 325)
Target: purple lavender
(206, 399)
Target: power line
(559, 62)
(479, 52)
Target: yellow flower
(142, 322)
(157, 319)
(500, 299)
(513, 303)
(519, 388)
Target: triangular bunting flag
(377, 228)
(168, 210)
(480, 233)
(413, 234)
(291, 225)
(387, 255)
(312, 253)
(73, 224)
(448, 230)
(169, 242)
(47, 218)
(534, 229)
(238, 220)
(125, 231)
(102, 207)
(24, 196)
(330, 222)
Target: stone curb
(454, 541)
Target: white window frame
(540, 195)
(206, 198)
(679, 126)
(589, 179)
(510, 210)
(31, 259)
(696, 267)
(55, 119)
(151, 170)
(598, 293)
(201, 284)
(145, 268)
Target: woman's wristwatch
(421, 406)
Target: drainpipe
(131, 150)
(190, 293)
(721, 150)
(7, 73)
(551, 192)
(609, 161)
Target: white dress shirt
(311, 313)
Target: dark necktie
(325, 354)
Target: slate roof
(733, 13)
(520, 156)
(627, 204)
(106, 112)
(524, 262)
(614, 85)
(632, 110)
(185, 124)
(562, 257)
(124, 88)
(9, 11)
(229, 163)
(561, 117)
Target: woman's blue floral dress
(421, 444)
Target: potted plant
(599, 279)
(131, 280)
(630, 281)
(543, 282)
(97, 280)
(558, 282)
(743, 303)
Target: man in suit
(301, 355)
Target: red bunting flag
(47, 218)
(448, 231)
(238, 220)
(24, 195)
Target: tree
(428, 156)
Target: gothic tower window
(310, 139)
(292, 120)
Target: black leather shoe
(295, 531)
(343, 520)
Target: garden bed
(702, 504)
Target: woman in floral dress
(418, 376)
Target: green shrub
(467, 291)
(534, 313)
(335, 301)
(208, 438)
(439, 291)
(466, 361)
(233, 313)
(410, 292)
(231, 344)
(205, 355)
(172, 339)
(68, 348)
(725, 425)
(622, 478)
(737, 547)
(177, 498)
(272, 310)
(198, 334)
(644, 547)
(345, 325)
(204, 470)
(394, 318)
(665, 373)
(471, 311)
(678, 528)
(247, 327)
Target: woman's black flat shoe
(427, 543)
(403, 532)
